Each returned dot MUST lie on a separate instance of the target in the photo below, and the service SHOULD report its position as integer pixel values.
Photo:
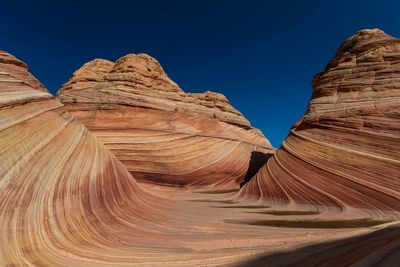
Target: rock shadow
(344, 252)
(257, 160)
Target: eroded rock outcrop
(344, 152)
(159, 132)
(20, 71)
(65, 200)
(56, 179)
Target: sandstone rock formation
(160, 133)
(65, 200)
(56, 179)
(344, 152)
(19, 70)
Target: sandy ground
(212, 228)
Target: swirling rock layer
(160, 133)
(58, 184)
(344, 152)
(65, 200)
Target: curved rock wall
(59, 186)
(65, 200)
(160, 133)
(344, 152)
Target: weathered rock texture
(65, 200)
(56, 179)
(160, 133)
(344, 152)
(20, 71)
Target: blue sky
(261, 54)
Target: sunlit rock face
(20, 71)
(65, 200)
(344, 152)
(160, 133)
(56, 179)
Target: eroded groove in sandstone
(344, 151)
(59, 186)
(65, 200)
(159, 132)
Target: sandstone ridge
(344, 151)
(162, 134)
(139, 80)
(328, 197)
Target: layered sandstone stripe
(60, 188)
(66, 201)
(344, 152)
(160, 133)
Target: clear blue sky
(261, 54)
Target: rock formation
(344, 152)
(159, 132)
(65, 200)
(56, 179)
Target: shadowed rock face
(344, 152)
(160, 133)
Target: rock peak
(93, 70)
(134, 68)
(363, 46)
(374, 31)
(363, 37)
(19, 70)
(162, 134)
(139, 80)
(7, 58)
(141, 63)
(348, 139)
